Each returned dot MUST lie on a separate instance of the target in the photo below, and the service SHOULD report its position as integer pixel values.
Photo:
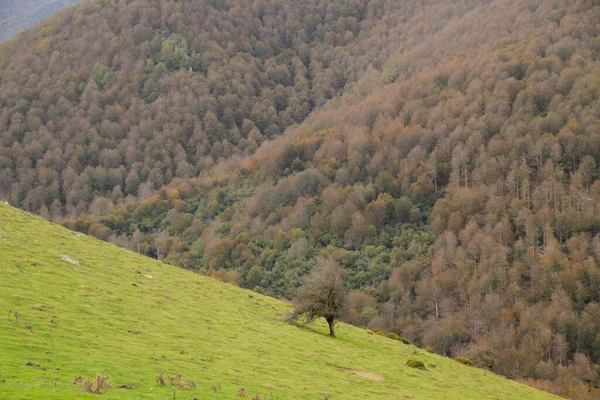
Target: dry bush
(99, 386)
(16, 314)
(241, 393)
(175, 381)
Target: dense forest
(445, 154)
(116, 99)
(16, 15)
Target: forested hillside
(78, 308)
(16, 15)
(454, 173)
(116, 99)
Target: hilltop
(88, 307)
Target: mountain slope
(461, 199)
(115, 99)
(449, 162)
(130, 318)
(18, 15)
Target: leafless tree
(322, 294)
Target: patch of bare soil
(368, 375)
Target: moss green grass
(130, 318)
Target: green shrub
(414, 363)
(465, 361)
(378, 332)
(429, 349)
(431, 365)
(404, 340)
(395, 336)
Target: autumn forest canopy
(444, 153)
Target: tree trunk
(331, 322)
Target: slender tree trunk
(331, 322)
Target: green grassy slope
(130, 318)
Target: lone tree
(322, 294)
